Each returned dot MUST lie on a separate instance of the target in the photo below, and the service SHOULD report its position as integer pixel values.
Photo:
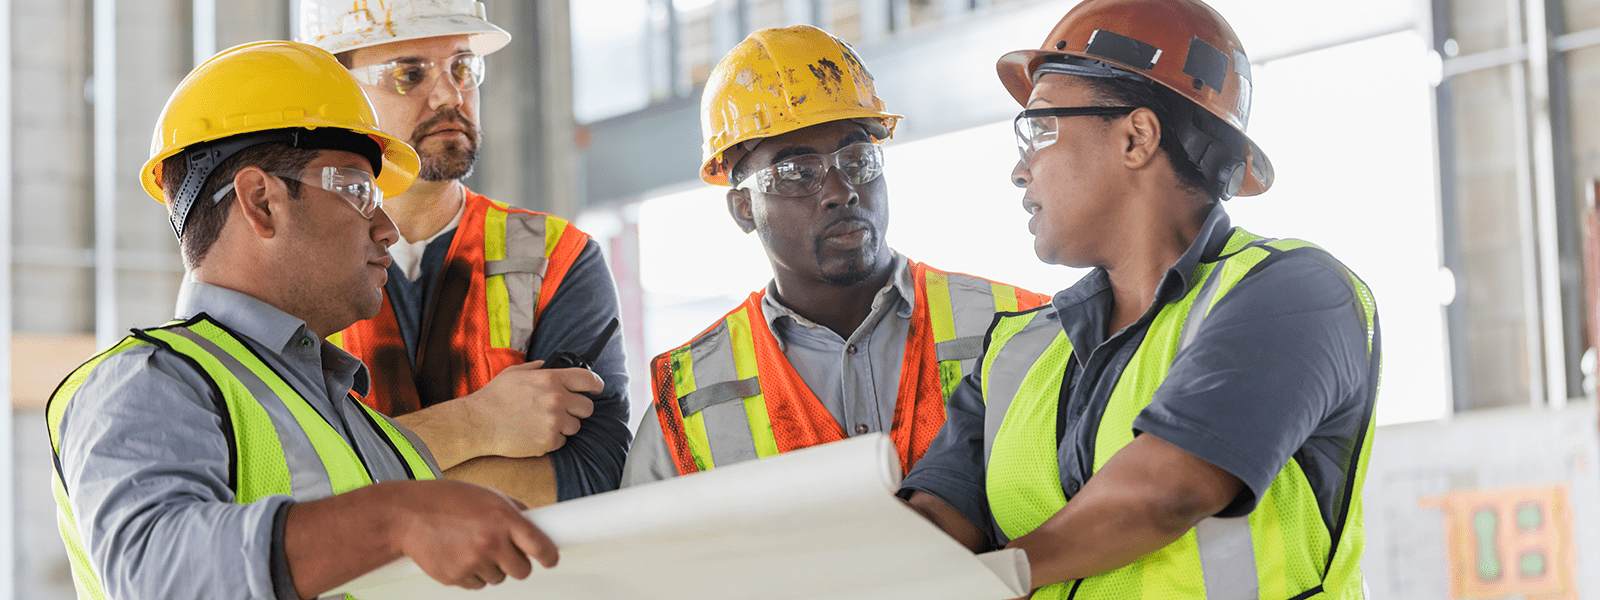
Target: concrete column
(527, 156)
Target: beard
(454, 160)
(860, 266)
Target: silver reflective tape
(1227, 558)
(728, 432)
(718, 393)
(959, 348)
(1201, 307)
(521, 264)
(308, 478)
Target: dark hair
(1171, 109)
(205, 221)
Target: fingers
(535, 544)
(570, 426)
(581, 380)
(579, 406)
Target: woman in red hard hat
(1193, 418)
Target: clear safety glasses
(354, 185)
(803, 175)
(1036, 128)
(407, 75)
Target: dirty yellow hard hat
(780, 80)
(263, 92)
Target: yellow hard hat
(261, 88)
(780, 80)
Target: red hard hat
(1181, 44)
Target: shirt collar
(901, 289)
(265, 324)
(241, 312)
(1085, 321)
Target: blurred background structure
(1447, 150)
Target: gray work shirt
(1278, 372)
(856, 379)
(146, 462)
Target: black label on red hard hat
(1114, 46)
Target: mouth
(1033, 209)
(849, 233)
(382, 262)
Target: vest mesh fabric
(1290, 539)
(466, 338)
(786, 415)
(1024, 448)
(260, 465)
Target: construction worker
(479, 293)
(224, 454)
(1193, 418)
(850, 337)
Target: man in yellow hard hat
(1193, 418)
(479, 293)
(225, 454)
(850, 337)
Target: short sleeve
(952, 468)
(1278, 369)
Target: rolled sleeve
(146, 464)
(952, 468)
(578, 312)
(1275, 370)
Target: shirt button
(851, 349)
(1072, 487)
(861, 428)
(305, 342)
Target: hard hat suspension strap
(203, 159)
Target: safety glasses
(803, 175)
(407, 75)
(354, 185)
(1036, 128)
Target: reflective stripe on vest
(738, 359)
(1281, 550)
(503, 267)
(281, 444)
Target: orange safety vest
(504, 265)
(739, 359)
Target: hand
(528, 411)
(467, 535)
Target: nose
(1020, 175)
(444, 93)
(837, 192)
(383, 229)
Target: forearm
(1096, 535)
(449, 429)
(949, 519)
(331, 541)
(1147, 496)
(530, 480)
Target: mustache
(443, 117)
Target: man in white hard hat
(479, 293)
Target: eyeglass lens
(406, 75)
(803, 175)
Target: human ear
(740, 208)
(260, 200)
(1142, 130)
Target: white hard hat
(344, 25)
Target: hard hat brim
(400, 162)
(1016, 74)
